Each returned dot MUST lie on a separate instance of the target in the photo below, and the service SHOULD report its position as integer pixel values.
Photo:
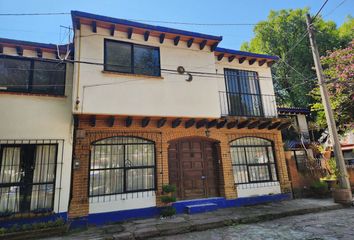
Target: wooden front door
(193, 168)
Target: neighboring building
(142, 106)
(35, 131)
(140, 125)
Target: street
(337, 224)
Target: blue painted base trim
(200, 208)
(8, 223)
(119, 216)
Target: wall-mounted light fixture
(76, 163)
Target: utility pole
(343, 178)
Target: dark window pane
(146, 61)
(118, 57)
(14, 74)
(49, 78)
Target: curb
(211, 223)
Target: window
(131, 58)
(27, 178)
(243, 93)
(253, 160)
(122, 165)
(18, 74)
(300, 157)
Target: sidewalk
(153, 227)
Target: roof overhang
(34, 46)
(293, 110)
(242, 56)
(147, 30)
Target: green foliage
(339, 70)
(168, 211)
(169, 188)
(278, 35)
(34, 226)
(319, 189)
(346, 31)
(168, 199)
(2, 231)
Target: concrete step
(200, 208)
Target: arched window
(253, 160)
(122, 165)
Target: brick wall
(86, 134)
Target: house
(35, 131)
(156, 106)
(142, 106)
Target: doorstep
(182, 223)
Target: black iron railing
(247, 104)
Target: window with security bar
(27, 178)
(122, 165)
(253, 160)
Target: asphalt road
(337, 224)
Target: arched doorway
(193, 167)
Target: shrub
(168, 199)
(168, 211)
(319, 189)
(169, 188)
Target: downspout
(77, 102)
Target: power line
(318, 12)
(335, 8)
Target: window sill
(32, 94)
(131, 75)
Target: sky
(47, 29)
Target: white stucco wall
(303, 126)
(33, 117)
(122, 202)
(265, 82)
(258, 189)
(170, 95)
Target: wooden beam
(243, 123)
(231, 58)
(130, 33)
(231, 124)
(202, 44)
(176, 40)
(162, 37)
(213, 47)
(212, 123)
(1, 48)
(284, 125)
(110, 121)
(241, 60)
(146, 35)
(253, 124)
(19, 50)
(189, 123)
(112, 29)
(93, 121)
(274, 125)
(94, 26)
(251, 61)
(161, 122)
(264, 124)
(201, 123)
(128, 121)
(39, 52)
(221, 124)
(220, 56)
(261, 63)
(145, 122)
(176, 122)
(77, 24)
(269, 64)
(190, 42)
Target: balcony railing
(247, 104)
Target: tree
(339, 70)
(280, 35)
(346, 31)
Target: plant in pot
(167, 199)
(340, 195)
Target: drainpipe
(77, 102)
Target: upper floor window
(19, 74)
(131, 58)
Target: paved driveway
(337, 224)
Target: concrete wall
(302, 121)
(31, 117)
(125, 94)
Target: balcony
(247, 105)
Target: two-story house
(155, 106)
(35, 131)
